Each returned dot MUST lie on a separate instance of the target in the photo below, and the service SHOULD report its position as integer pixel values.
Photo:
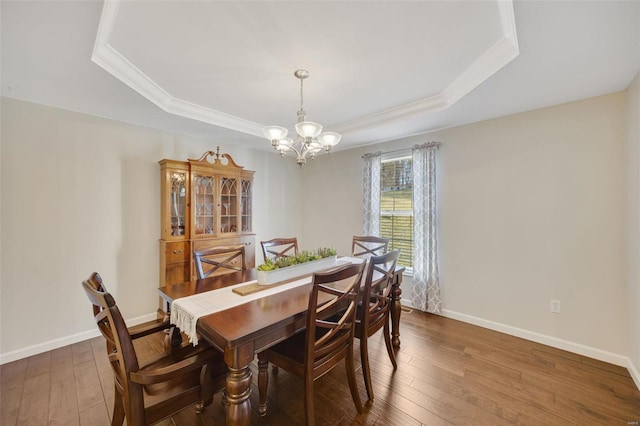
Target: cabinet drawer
(177, 252)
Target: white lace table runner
(186, 310)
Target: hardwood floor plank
(448, 373)
(13, 371)
(12, 377)
(10, 405)
(514, 397)
(63, 404)
(95, 415)
(38, 364)
(88, 387)
(62, 364)
(590, 413)
(82, 352)
(34, 406)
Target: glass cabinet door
(178, 197)
(204, 206)
(228, 205)
(245, 205)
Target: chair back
(367, 246)
(329, 337)
(279, 247)
(223, 259)
(377, 291)
(120, 350)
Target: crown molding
(108, 58)
(491, 61)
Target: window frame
(390, 157)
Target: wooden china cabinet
(204, 203)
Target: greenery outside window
(396, 206)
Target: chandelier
(308, 141)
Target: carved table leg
(238, 391)
(396, 308)
(263, 383)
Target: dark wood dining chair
(366, 246)
(325, 341)
(374, 310)
(279, 247)
(223, 258)
(146, 393)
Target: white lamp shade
(308, 129)
(274, 133)
(329, 138)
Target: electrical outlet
(554, 306)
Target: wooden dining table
(243, 331)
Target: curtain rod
(428, 144)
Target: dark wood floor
(449, 372)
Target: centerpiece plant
(301, 257)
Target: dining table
(246, 329)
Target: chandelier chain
(301, 113)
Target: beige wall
(81, 194)
(532, 207)
(633, 221)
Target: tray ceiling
(231, 64)
(380, 70)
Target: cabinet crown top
(216, 159)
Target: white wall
(633, 221)
(81, 194)
(532, 207)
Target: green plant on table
(268, 265)
(301, 257)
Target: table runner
(186, 310)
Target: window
(396, 206)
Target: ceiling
(380, 70)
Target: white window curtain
(425, 293)
(371, 194)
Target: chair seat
(169, 396)
(291, 353)
(171, 388)
(289, 350)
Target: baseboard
(555, 342)
(64, 341)
(635, 373)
